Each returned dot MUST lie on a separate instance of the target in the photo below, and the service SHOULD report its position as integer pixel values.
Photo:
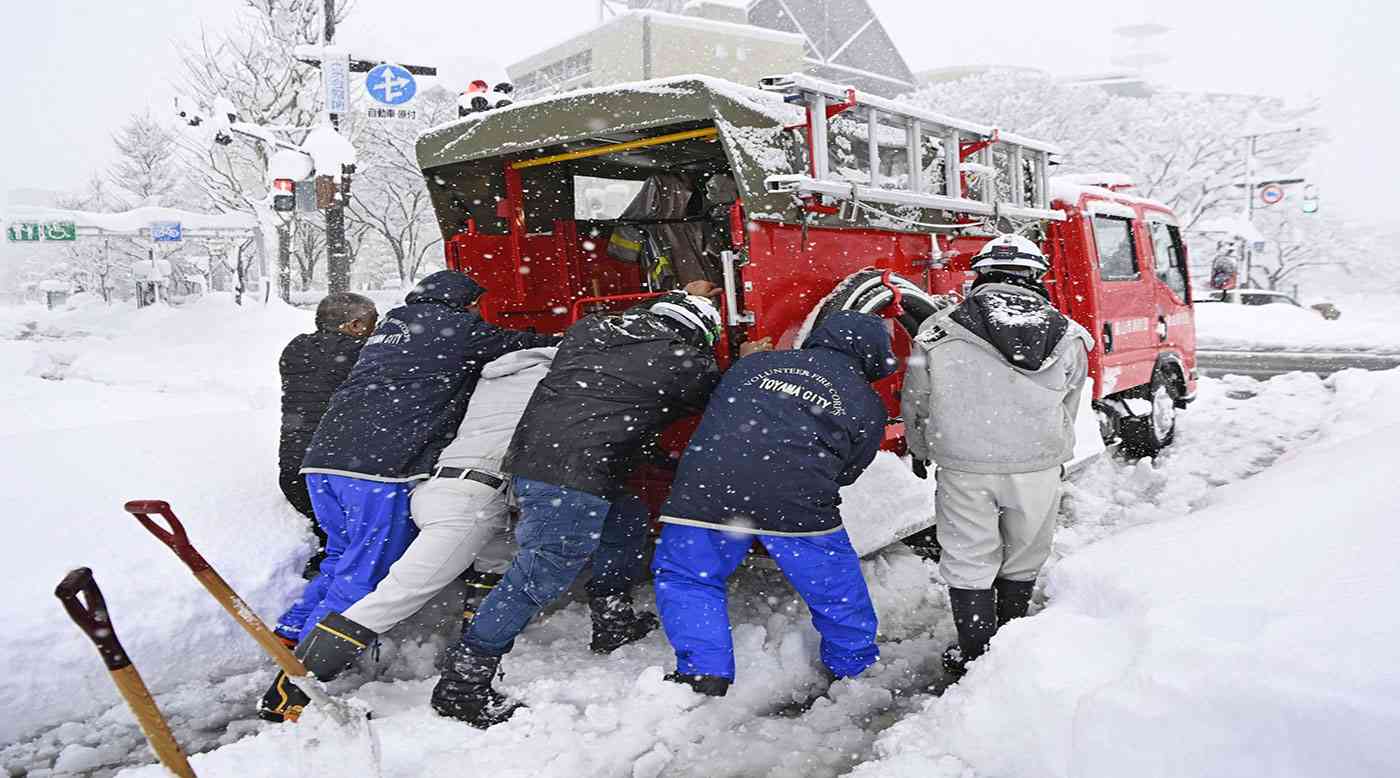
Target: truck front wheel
(1146, 436)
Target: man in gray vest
(990, 395)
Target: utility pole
(337, 247)
(1248, 253)
(1251, 145)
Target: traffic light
(284, 194)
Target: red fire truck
(593, 200)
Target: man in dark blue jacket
(783, 432)
(383, 432)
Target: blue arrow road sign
(390, 85)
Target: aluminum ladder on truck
(949, 165)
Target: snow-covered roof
(133, 221)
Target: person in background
(617, 380)
(312, 366)
(784, 432)
(990, 394)
(382, 434)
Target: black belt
(467, 474)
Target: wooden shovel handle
(153, 724)
(84, 602)
(174, 537)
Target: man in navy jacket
(382, 434)
(783, 432)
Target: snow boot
(615, 623)
(464, 692)
(331, 647)
(975, 616)
(1013, 599)
(708, 685)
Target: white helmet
(693, 312)
(1011, 253)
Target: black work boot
(975, 616)
(708, 685)
(1013, 599)
(615, 624)
(464, 692)
(331, 647)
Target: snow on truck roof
(693, 124)
(1071, 189)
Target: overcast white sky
(76, 68)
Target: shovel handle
(174, 537)
(83, 600)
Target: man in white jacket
(990, 395)
(462, 514)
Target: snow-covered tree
(253, 66)
(147, 167)
(1184, 149)
(1301, 244)
(388, 197)
(96, 266)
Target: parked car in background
(1326, 310)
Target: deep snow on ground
(1368, 323)
(192, 402)
(1253, 637)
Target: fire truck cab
(593, 200)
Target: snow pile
(1367, 324)
(106, 404)
(1249, 638)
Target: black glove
(921, 468)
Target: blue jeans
(559, 530)
(367, 529)
(692, 568)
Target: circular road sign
(1271, 194)
(390, 85)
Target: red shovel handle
(83, 600)
(174, 537)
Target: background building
(838, 40)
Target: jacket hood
(860, 336)
(518, 361)
(1018, 323)
(447, 287)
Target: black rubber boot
(975, 616)
(331, 647)
(1013, 599)
(464, 692)
(708, 685)
(615, 623)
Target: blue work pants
(692, 567)
(367, 529)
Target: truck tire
(1146, 436)
(862, 291)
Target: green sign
(60, 231)
(32, 231)
(25, 231)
